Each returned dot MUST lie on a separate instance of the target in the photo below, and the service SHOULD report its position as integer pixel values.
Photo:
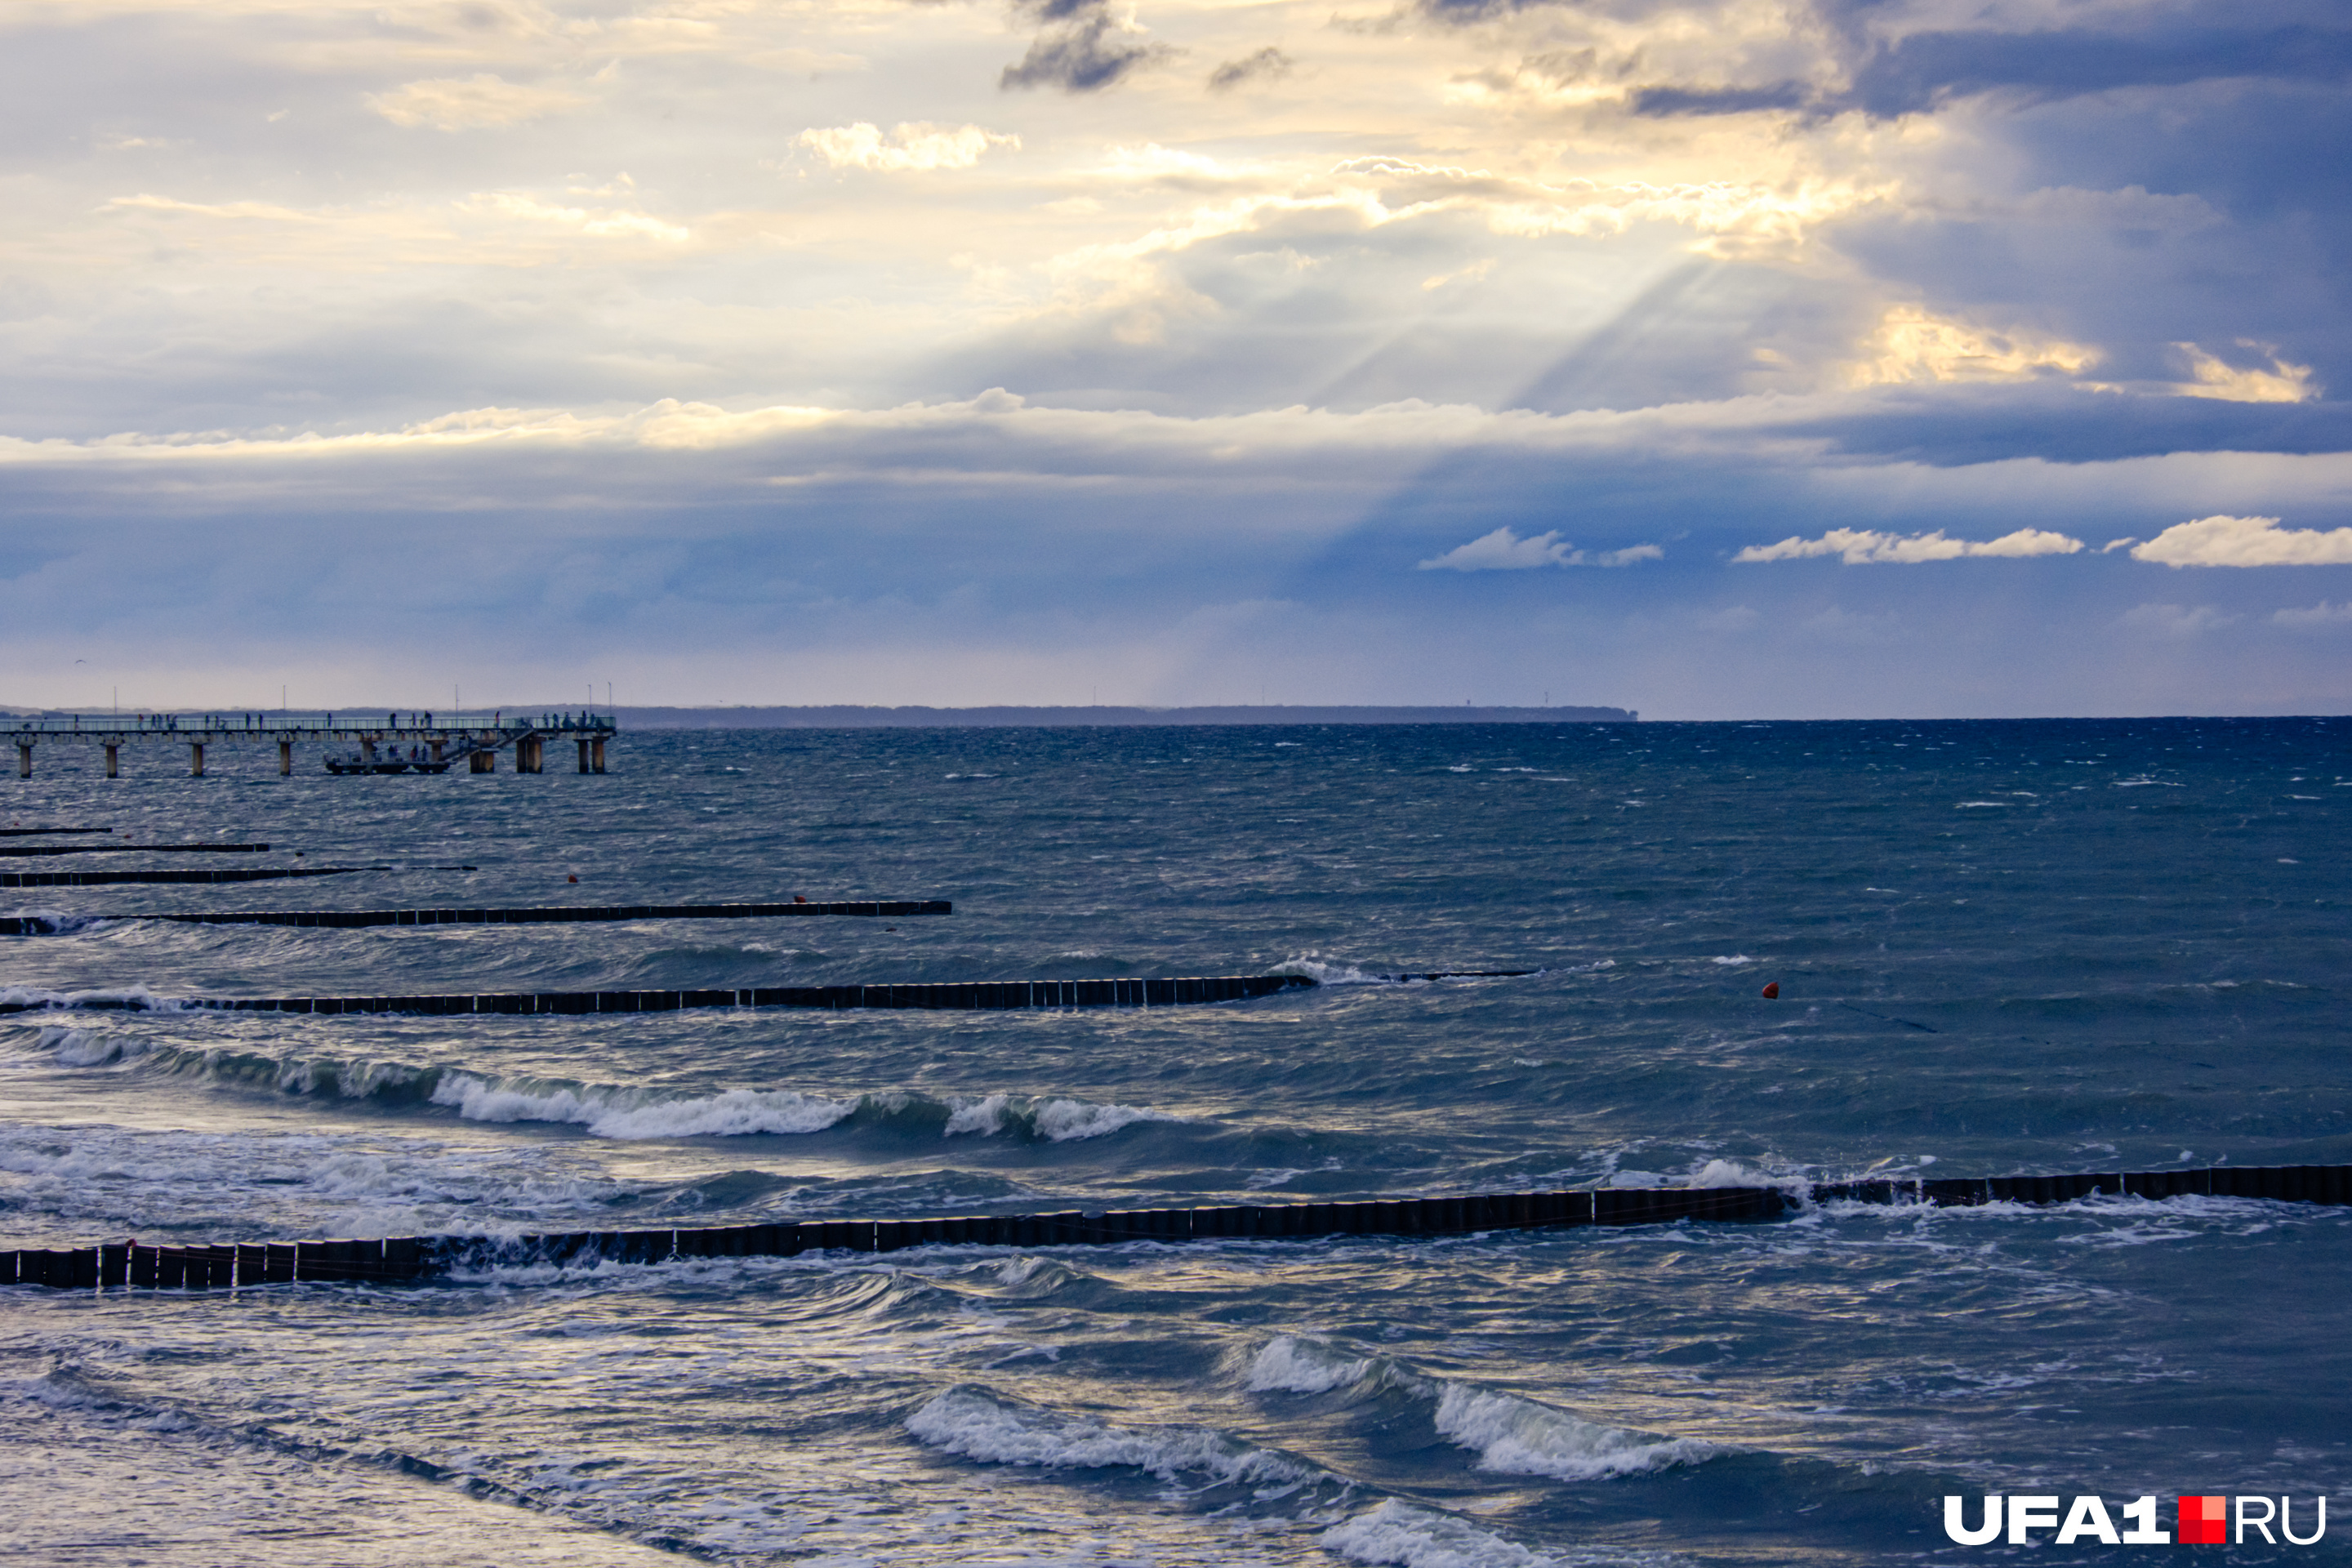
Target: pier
(398, 743)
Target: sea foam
(975, 1423)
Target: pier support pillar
(584, 756)
(367, 747)
(595, 756)
(113, 761)
(437, 750)
(485, 762)
(285, 759)
(195, 758)
(529, 754)
(24, 759)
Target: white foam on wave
(1515, 1436)
(61, 922)
(622, 1114)
(1332, 972)
(1511, 1435)
(1292, 1365)
(1056, 1121)
(135, 998)
(611, 1112)
(974, 1424)
(1731, 958)
(1738, 1173)
(89, 1048)
(1407, 1536)
(1329, 974)
(1065, 1121)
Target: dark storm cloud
(1664, 102)
(1080, 48)
(1929, 67)
(2277, 42)
(1268, 64)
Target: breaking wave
(976, 1424)
(605, 1111)
(1398, 1534)
(1511, 1435)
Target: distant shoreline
(852, 716)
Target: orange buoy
(571, 878)
(1772, 992)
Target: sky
(1759, 358)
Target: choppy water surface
(2001, 947)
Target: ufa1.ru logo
(2202, 1521)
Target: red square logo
(2204, 1520)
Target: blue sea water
(2001, 947)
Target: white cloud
(2283, 383)
(1503, 551)
(2319, 617)
(917, 145)
(2246, 541)
(2174, 620)
(1860, 547)
(456, 104)
(1911, 345)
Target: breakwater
(42, 925)
(983, 996)
(167, 878)
(408, 1259)
(45, 851)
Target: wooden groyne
(164, 879)
(30, 851)
(983, 996)
(42, 925)
(407, 1259)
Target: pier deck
(398, 744)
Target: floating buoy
(1772, 992)
(800, 897)
(571, 878)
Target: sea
(2000, 948)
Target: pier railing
(446, 736)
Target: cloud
(453, 103)
(1912, 345)
(917, 145)
(2319, 617)
(2283, 383)
(2174, 620)
(1667, 102)
(1269, 64)
(1082, 48)
(1929, 68)
(1503, 551)
(2246, 541)
(1859, 547)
